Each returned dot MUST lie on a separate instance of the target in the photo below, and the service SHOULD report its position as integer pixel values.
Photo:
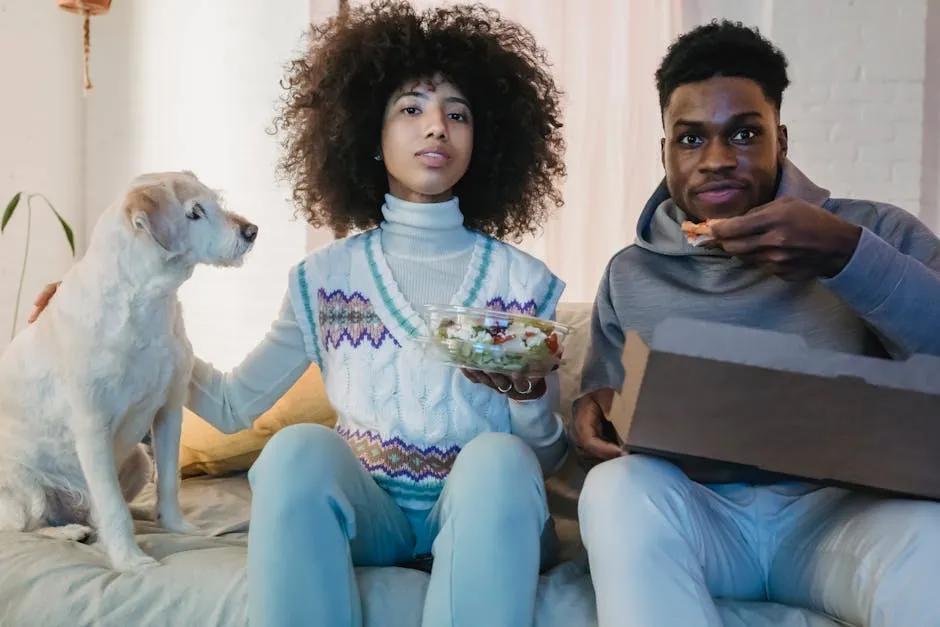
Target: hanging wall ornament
(86, 8)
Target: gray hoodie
(885, 302)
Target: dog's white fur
(107, 361)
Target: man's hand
(590, 436)
(790, 238)
(517, 388)
(43, 301)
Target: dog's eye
(196, 212)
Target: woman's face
(427, 140)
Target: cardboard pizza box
(730, 404)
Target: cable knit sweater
(353, 308)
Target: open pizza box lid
(764, 400)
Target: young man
(849, 275)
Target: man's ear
(149, 209)
(662, 151)
(783, 141)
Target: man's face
(722, 148)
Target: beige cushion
(578, 317)
(206, 451)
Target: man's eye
(196, 212)
(690, 140)
(743, 135)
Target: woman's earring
(377, 157)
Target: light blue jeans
(661, 547)
(316, 513)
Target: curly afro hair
(335, 105)
(723, 48)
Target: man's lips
(718, 193)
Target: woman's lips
(434, 159)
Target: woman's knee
(301, 454)
(496, 471)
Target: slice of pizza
(699, 233)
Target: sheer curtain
(603, 55)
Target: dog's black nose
(249, 232)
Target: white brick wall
(930, 170)
(855, 106)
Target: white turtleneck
(428, 250)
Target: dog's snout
(249, 232)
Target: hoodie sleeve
(893, 282)
(603, 366)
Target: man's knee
(630, 491)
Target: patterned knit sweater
(405, 416)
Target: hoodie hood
(659, 227)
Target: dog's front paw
(134, 563)
(70, 533)
(178, 524)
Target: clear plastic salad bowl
(494, 341)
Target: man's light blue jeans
(661, 547)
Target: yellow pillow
(204, 450)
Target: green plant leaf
(65, 227)
(8, 212)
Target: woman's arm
(232, 401)
(538, 423)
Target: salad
(496, 341)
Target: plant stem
(19, 289)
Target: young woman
(437, 135)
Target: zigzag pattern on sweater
(351, 318)
(398, 459)
(527, 308)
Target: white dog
(108, 360)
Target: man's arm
(886, 267)
(601, 375)
(893, 282)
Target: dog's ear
(149, 209)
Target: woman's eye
(411, 110)
(196, 212)
(459, 117)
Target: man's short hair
(723, 48)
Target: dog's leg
(112, 518)
(25, 508)
(167, 426)
(18, 507)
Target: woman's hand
(43, 301)
(518, 388)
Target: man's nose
(718, 155)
